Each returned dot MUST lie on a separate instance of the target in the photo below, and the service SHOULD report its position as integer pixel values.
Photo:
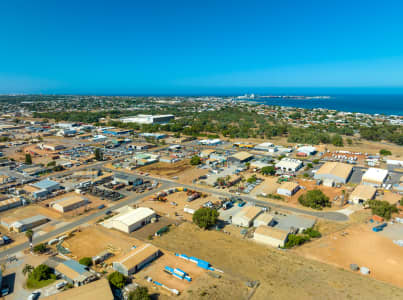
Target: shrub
(141, 293)
(205, 217)
(314, 199)
(41, 272)
(385, 152)
(269, 170)
(86, 261)
(312, 233)
(40, 248)
(195, 160)
(117, 279)
(382, 208)
(296, 240)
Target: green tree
(117, 279)
(337, 140)
(295, 240)
(314, 199)
(382, 208)
(86, 261)
(205, 217)
(98, 154)
(40, 248)
(140, 293)
(41, 272)
(28, 159)
(269, 170)
(349, 141)
(195, 160)
(385, 152)
(401, 201)
(29, 234)
(51, 163)
(251, 179)
(27, 269)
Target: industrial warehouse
(69, 203)
(131, 219)
(133, 261)
(334, 172)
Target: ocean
(371, 104)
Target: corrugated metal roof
(45, 184)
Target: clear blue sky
(168, 46)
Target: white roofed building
(131, 219)
(375, 177)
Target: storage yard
(175, 204)
(92, 240)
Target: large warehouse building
(375, 177)
(131, 219)
(334, 171)
(136, 259)
(29, 223)
(148, 119)
(289, 165)
(69, 203)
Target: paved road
(81, 221)
(332, 216)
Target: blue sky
(168, 47)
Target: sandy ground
(167, 169)
(360, 245)
(392, 198)
(29, 211)
(282, 274)
(189, 175)
(94, 239)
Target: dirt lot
(96, 238)
(166, 169)
(155, 271)
(361, 246)
(190, 174)
(392, 198)
(282, 274)
(180, 198)
(28, 211)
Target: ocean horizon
(369, 104)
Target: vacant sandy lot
(167, 169)
(360, 245)
(93, 239)
(282, 274)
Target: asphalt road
(39, 239)
(332, 216)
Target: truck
(227, 205)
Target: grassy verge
(34, 284)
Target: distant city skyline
(207, 47)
